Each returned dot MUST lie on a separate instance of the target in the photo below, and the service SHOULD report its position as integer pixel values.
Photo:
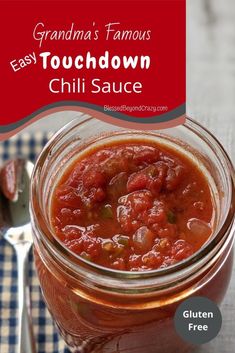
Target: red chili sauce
(133, 206)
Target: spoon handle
(26, 343)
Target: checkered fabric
(47, 339)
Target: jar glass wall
(103, 310)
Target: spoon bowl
(17, 226)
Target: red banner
(122, 59)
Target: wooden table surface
(211, 101)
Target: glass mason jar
(103, 310)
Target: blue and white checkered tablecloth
(47, 339)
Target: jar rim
(56, 245)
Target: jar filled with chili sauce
(127, 225)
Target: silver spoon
(16, 230)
